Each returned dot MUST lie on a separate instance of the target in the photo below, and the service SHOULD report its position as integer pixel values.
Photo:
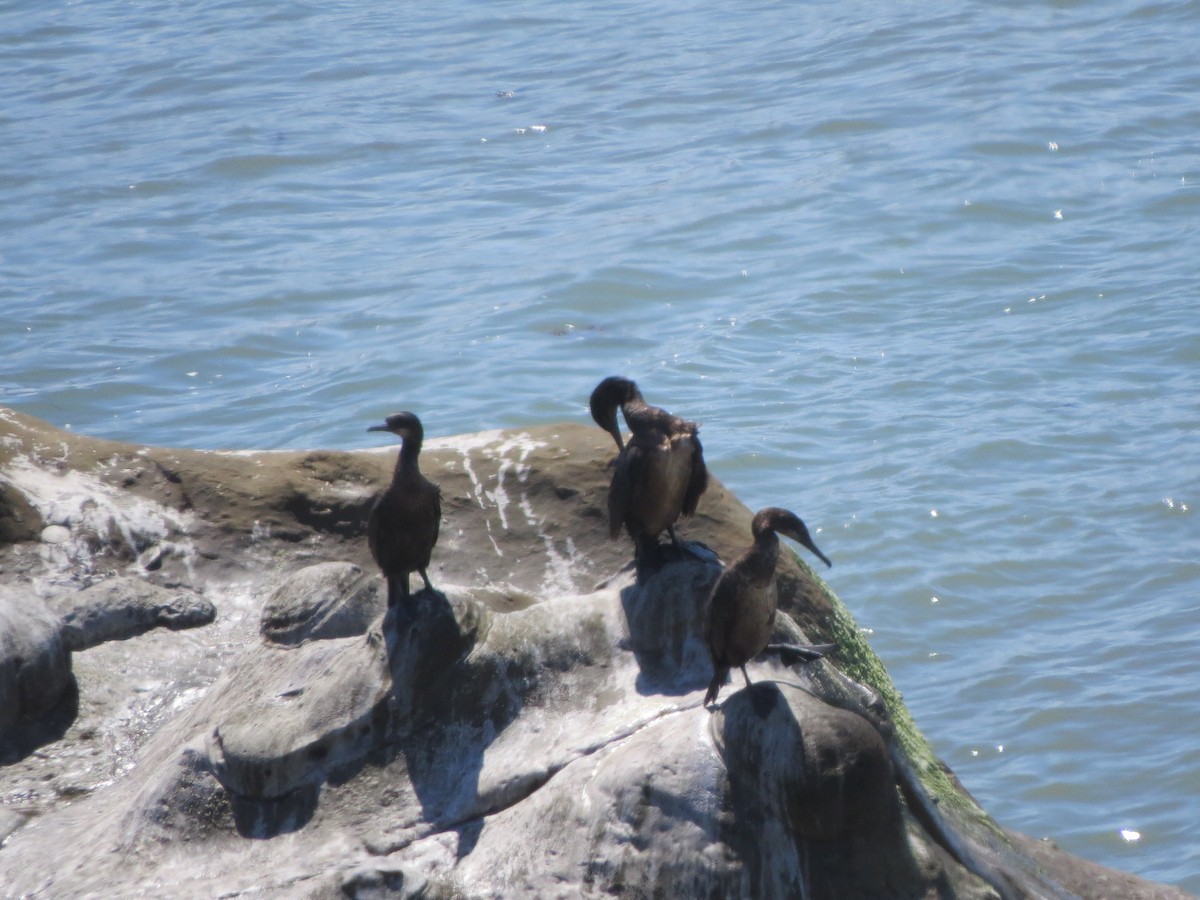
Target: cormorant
(741, 607)
(405, 519)
(659, 475)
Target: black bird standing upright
(659, 475)
(406, 517)
(741, 607)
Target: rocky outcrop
(536, 730)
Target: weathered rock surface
(118, 608)
(19, 521)
(326, 600)
(37, 685)
(35, 668)
(537, 731)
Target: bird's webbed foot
(795, 654)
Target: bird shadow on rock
(757, 733)
(814, 810)
(408, 690)
(655, 555)
(664, 612)
(453, 699)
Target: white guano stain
(80, 501)
(509, 451)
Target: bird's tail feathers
(720, 676)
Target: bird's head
(404, 425)
(787, 523)
(610, 394)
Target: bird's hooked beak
(616, 433)
(604, 414)
(401, 433)
(801, 536)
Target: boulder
(536, 729)
(118, 608)
(19, 521)
(35, 667)
(326, 600)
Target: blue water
(928, 278)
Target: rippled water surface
(927, 277)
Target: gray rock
(19, 521)
(35, 667)
(527, 735)
(10, 821)
(328, 600)
(286, 716)
(118, 608)
(385, 880)
(55, 534)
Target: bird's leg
(682, 550)
(674, 538)
(425, 578)
(744, 675)
(639, 546)
(647, 556)
(397, 590)
(677, 549)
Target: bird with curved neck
(741, 607)
(406, 517)
(659, 474)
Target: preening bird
(659, 474)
